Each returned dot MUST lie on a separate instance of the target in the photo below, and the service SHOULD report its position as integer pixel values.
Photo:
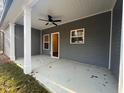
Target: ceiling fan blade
(49, 16)
(54, 23)
(43, 20)
(57, 20)
(47, 23)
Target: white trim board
(121, 68)
(110, 41)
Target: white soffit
(66, 10)
(1, 6)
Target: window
(77, 36)
(46, 42)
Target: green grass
(13, 80)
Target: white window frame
(45, 41)
(83, 36)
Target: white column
(121, 69)
(27, 40)
(12, 41)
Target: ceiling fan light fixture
(50, 20)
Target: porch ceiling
(1, 5)
(66, 10)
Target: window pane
(46, 38)
(73, 33)
(74, 40)
(80, 39)
(46, 45)
(80, 33)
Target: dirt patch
(4, 59)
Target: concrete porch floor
(68, 76)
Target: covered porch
(68, 76)
(64, 75)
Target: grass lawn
(13, 80)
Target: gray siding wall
(41, 45)
(116, 38)
(96, 48)
(19, 41)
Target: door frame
(58, 45)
